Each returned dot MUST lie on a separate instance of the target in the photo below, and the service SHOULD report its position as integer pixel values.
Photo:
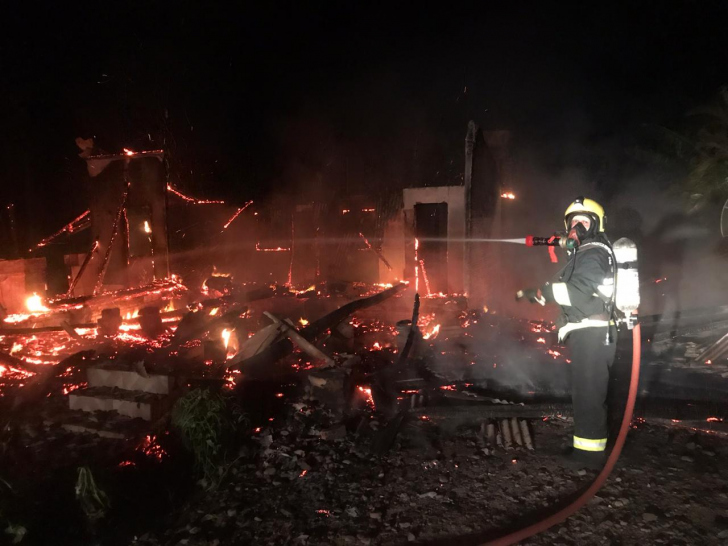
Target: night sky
(341, 94)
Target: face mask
(578, 233)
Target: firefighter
(585, 294)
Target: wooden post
(468, 181)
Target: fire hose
(596, 485)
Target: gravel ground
(441, 487)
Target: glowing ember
(277, 249)
(368, 210)
(81, 222)
(555, 354)
(279, 395)
(424, 276)
(367, 392)
(214, 311)
(151, 448)
(417, 265)
(303, 473)
(71, 387)
(234, 216)
(508, 195)
(147, 227)
(303, 321)
(541, 340)
(34, 304)
(192, 200)
(128, 152)
(714, 420)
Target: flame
(226, 337)
(34, 304)
(541, 340)
(309, 289)
(214, 311)
(216, 273)
(147, 227)
(303, 321)
(128, 152)
(345, 211)
(508, 195)
(432, 334)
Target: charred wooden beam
(283, 347)
(292, 333)
(404, 355)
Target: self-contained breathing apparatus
(620, 293)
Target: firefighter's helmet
(589, 208)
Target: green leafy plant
(93, 500)
(207, 423)
(699, 156)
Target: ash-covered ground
(439, 486)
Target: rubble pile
(372, 416)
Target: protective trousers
(592, 355)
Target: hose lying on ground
(585, 497)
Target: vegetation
(709, 167)
(93, 500)
(15, 532)
(207, 422)
(702, 152)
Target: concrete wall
(454, 196)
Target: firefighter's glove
(533, 295)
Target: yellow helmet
(586, 207)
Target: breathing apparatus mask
(589, 210)
(579, 233)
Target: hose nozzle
(564, 242)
